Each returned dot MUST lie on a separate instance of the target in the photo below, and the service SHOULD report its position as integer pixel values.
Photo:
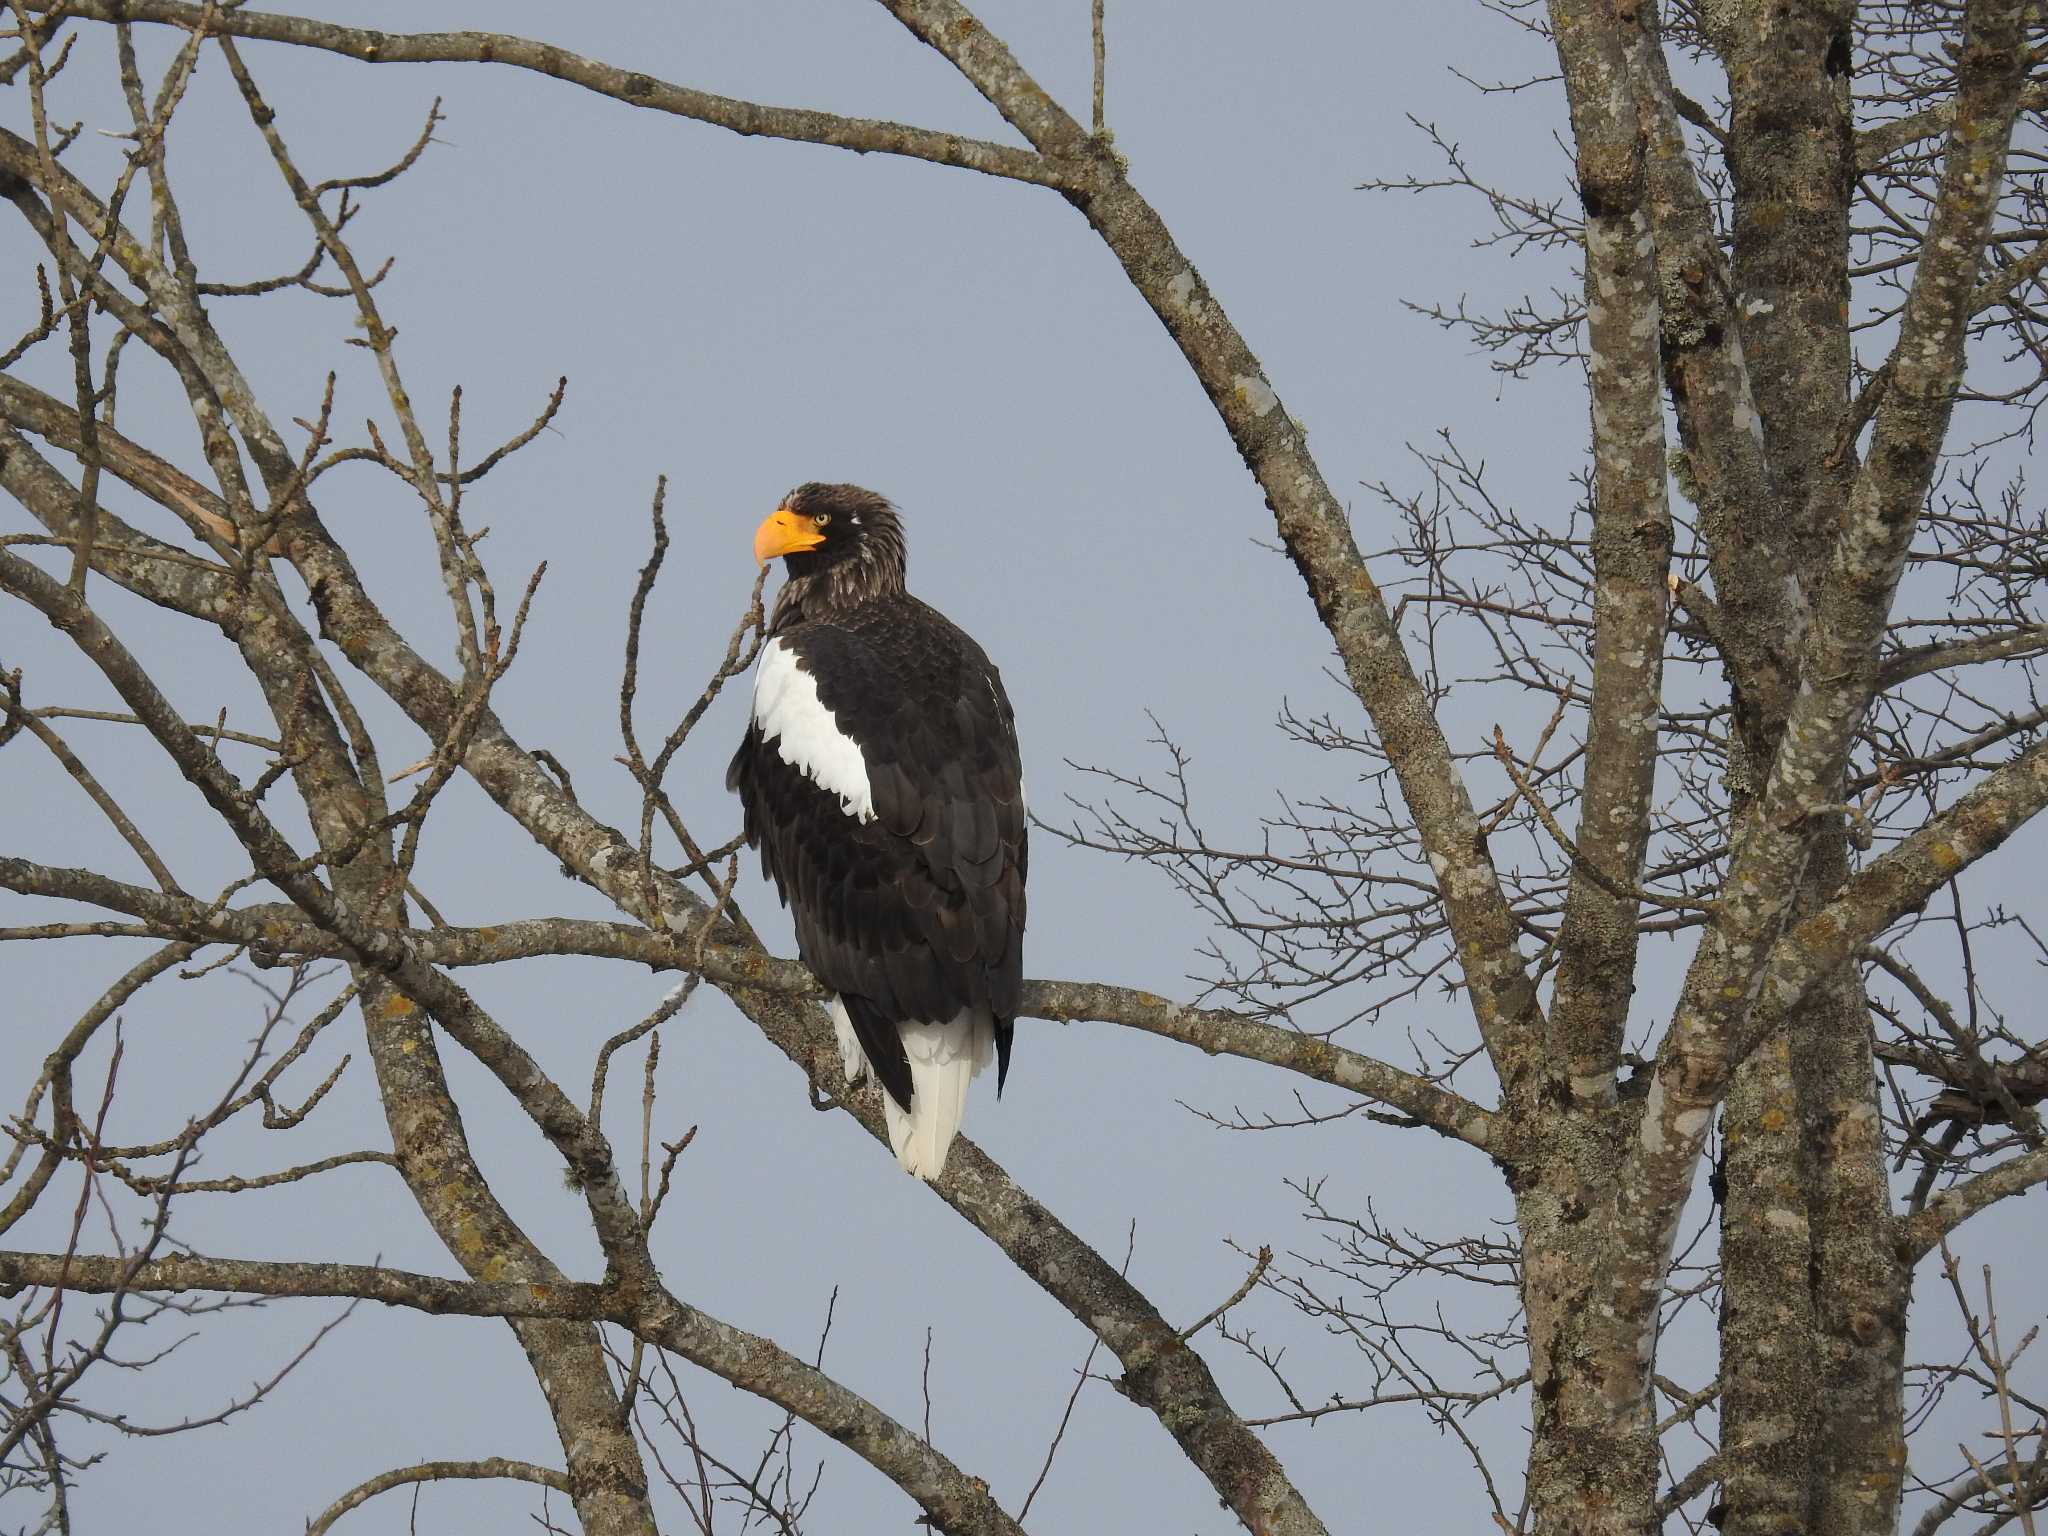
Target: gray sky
(741, 315)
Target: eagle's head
(840, 544)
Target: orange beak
(784, 532)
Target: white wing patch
(788, 710)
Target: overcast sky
(742, 315)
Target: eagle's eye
(822, 519)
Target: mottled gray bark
(1859, 1283)
(1756, 359)
(1791, 155)
(1768, 1387)
(1631, 561)
(1594, 1445)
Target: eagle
(881, 782)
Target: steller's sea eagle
(882, 784)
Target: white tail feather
(944, 1059)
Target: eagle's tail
(944, 1059)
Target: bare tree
(1785, 646)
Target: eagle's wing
(882, 783)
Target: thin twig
(1096, 31)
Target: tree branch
(1312, 524)
(1921, 1233)
(435, 1472)
(954, 1501)
(862, 135)
(277, 930)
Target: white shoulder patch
(788, 710)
